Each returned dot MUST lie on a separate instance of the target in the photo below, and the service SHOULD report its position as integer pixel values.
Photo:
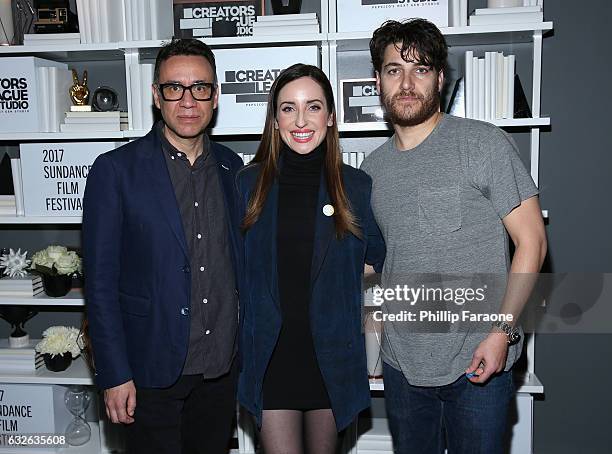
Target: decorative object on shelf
(24, 19)
(7, 31)
(79, 93)
(197, 18)
(77, 400)
(54, 16)
(15, 263)
(504, 3)
(17, 316)
(59, 346)
(57, 363)
(105, 99)
(360, 102)
(57, 265)
(286, 6)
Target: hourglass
(77, 400)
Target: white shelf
(73, 298)
(41, 220)
(231, 41)
(526, 383)
(502, 123)
(77, 374)
(59, 136)
(455, 36)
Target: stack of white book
(51, 39)
(17, 187)
(95, 121)
(23, 287)
(148, 19)
(141, 96)
(510, 15)
(353, 159)
(286, 24)
(21, 359)
(53, 96)
(8, 205)
(457, 13)
(489, 86)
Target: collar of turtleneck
(301, 169)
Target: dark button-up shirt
(214, 301)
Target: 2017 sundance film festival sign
(54, 175)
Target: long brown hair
(269, 149)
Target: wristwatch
(512, 333)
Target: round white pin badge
(328, 210)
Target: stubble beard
(411, 115)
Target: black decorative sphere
(105, 99)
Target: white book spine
(481, 89)
(17, 185)
(105, 20)
(475, 87)
(52, 86)
(360, 158)
(42, 82)
(510, 75)
(500, 19)
(346, 158)
(136, 106)
(81, 20)
(487, 92)
(468, 84)
(499, 92)
(453, 13)
(146, 74)
(354, 159)
(463, 12)
(504, 107)
(507, 10)
(127, 20)
(145, 20)
(96, 21)
(136, 20)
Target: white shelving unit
(334, 47)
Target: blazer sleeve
(375, 251)
(102, 238)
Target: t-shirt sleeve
(500, 174)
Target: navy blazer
(336, 296)
(136, 262)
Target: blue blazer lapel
(324, 231)
(164, 191)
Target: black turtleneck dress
(293, 379)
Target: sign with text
(54, 175)
(194, 19)
(245, 79)
(367, 15)
(360, 101)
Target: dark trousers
(474, 417)
(193, 416)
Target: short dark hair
(415, 36)
(186, 46)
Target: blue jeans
(474, 417)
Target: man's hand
(489, 357)
(120, 402)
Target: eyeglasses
(201, 91)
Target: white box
(368, 15)
(19, 103)
(245, 77)
(54, 175)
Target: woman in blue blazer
(308, 230)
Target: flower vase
(57, 363)
(58, 285)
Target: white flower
(58, 340)
(42, 258)
(68, 263)
(55, 252)
(15, 263)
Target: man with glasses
(162, 255)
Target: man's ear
(156, 96)
(440, 80)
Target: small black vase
(286, 6)
(56, 286)
(57, 363)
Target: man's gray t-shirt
(440, 207)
